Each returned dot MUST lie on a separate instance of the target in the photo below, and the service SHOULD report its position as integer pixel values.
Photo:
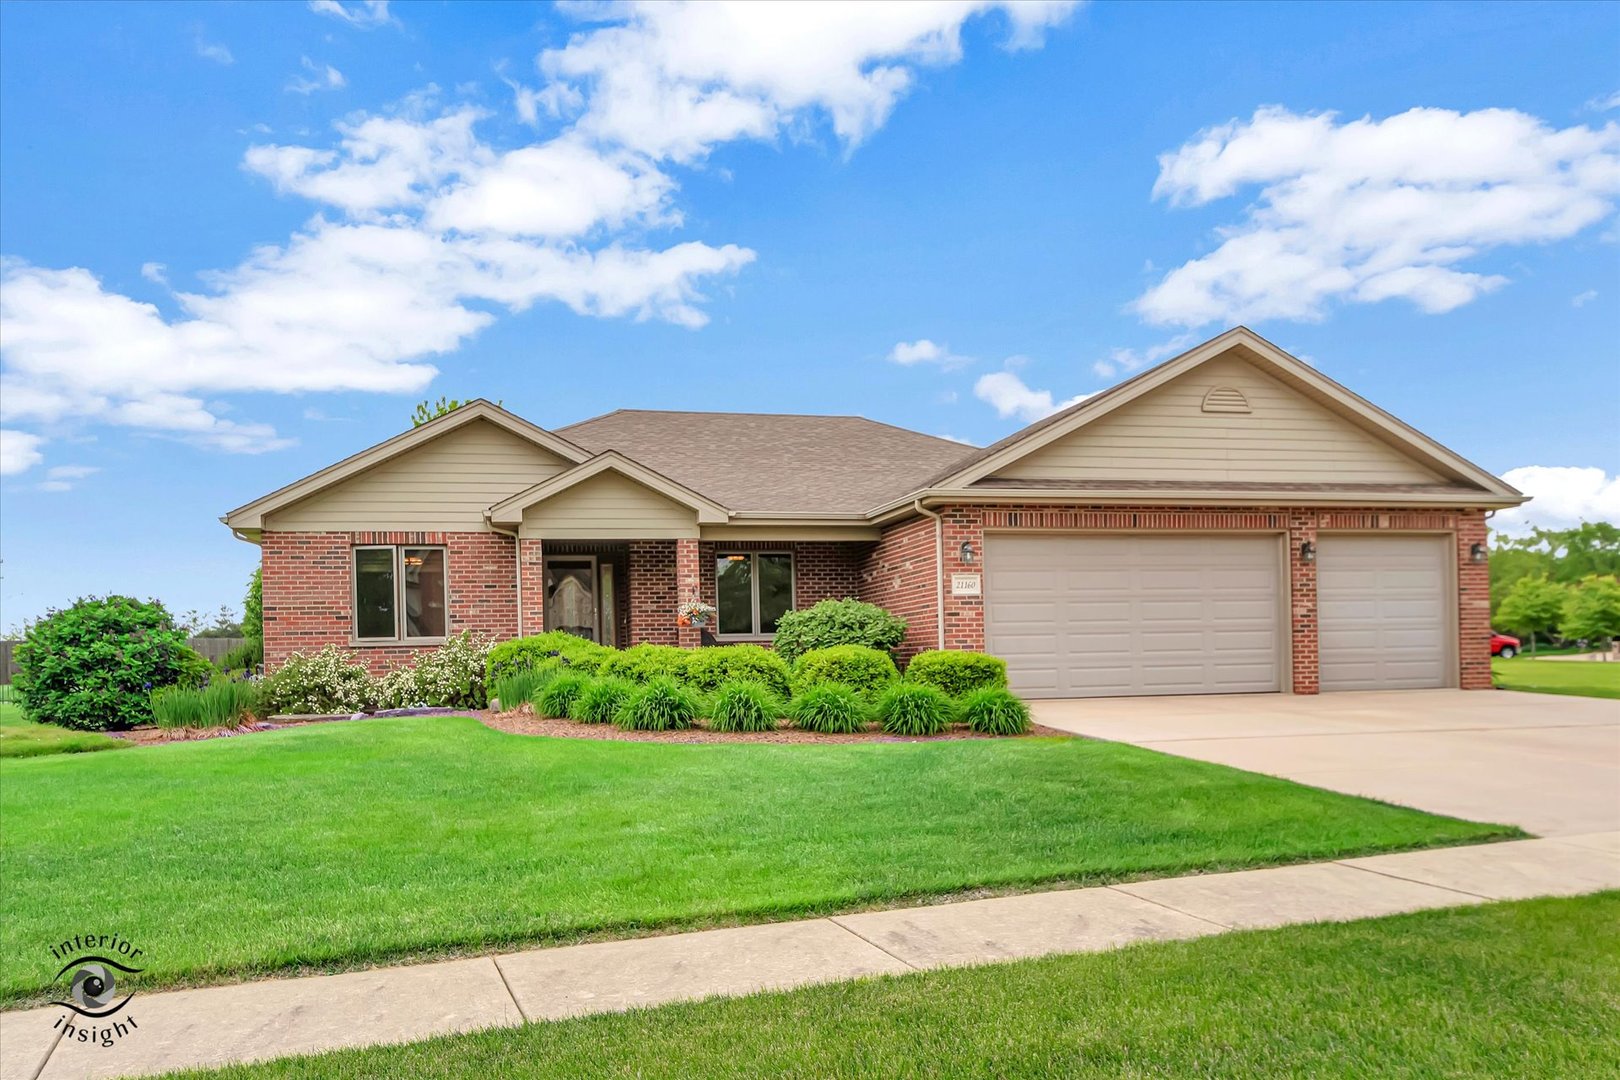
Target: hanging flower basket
(695, 613)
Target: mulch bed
(524, 721)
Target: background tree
(253, 608)
(1564, 556)
(1592, 611)
(432, 410)
(1534, 605)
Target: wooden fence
(212, 647)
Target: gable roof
(510, 511)
(251, 515)
(976, 468)
(773, 462)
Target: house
(1230, 521)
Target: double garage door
(1108, 616)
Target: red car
(1502, 645)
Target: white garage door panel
(1384, 616)
(1079, 616)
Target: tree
(1533, 606)
(432, 410)
(1592, 611)
(1564, 556)
(253, 608)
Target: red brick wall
(653, 592)
(308, 590)
(898, 574)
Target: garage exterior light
(966, 551)
(1307, 552)
(1477, 553)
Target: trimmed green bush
(744, 705)
(645, 662)
(330, 681)
(558, 693)
(855, 666)
(957, 673)
(245, 657)
(914, 709)
(222, 703)
(661, 705)
(710, 669)
(993, 710)
(450, 676)
(93, 666)
(828, 709)
(601, 701)
(836, 622)
(528, 652)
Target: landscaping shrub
(601, 701)
(195, 669)
(661, 705)
(860, 668)
(451, 676)
(914, 709)
(528, 652)
(559, 692)
(710, 669)
(520, 687)
(744, 705)
(646, 662)
(222, 703)
(828, 709)
(994, 710)
(957, 673)
(94, 665)
(330, 681)
(245, 657)
(836, 622)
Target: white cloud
(1370, 210)
(672, 79)
(1563, 495)
(1129, 360)
(63, 477)
(1009, 396)
(1606, 103)
(1583, 298)
(320, 77)
(366, 14)
(19, 451)
(924, 351)
(219, 54)
(156, 273)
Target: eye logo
(94, 987)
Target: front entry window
(752, 590)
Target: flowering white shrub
(331, 681)
(451, 676)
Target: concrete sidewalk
(279, 1017)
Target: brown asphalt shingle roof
(774, 462)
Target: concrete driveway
(1548, 764)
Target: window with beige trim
(752, 590)
(400, 594)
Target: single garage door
(1104, 616)
(1383, 612)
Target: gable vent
(1226, 399)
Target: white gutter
(939, 568)
(517, 566)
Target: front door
(571, 596)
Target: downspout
(517, 567)
(939, 567)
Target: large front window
(753, 589)
(400, 594)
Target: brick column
(532, 586)
(1473, 605)
(964, 615)
(688, 586)
(1302, 603)
(653, 593)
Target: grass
(23, 738)
(374, 840)
(1582, 678)
(1523, 989)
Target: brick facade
(898, 574)
(654, 594)
(309, 589)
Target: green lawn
(382, 839)
(1525, 989)
(1583, 678)
(21, 738)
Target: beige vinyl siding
(1166, 435)
(608, 506)
(445, 484)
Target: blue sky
(242, 240)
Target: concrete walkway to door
(1549, 764)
